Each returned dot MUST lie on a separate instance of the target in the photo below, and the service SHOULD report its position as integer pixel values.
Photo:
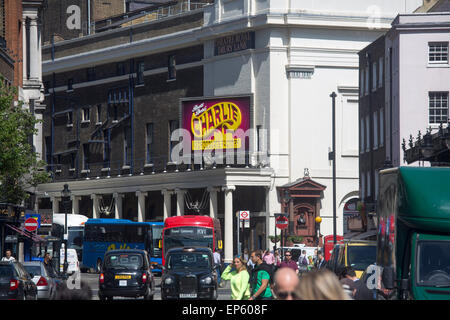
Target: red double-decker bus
(191, 231)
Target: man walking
(218, 265)
(320, 260)
(260, 278)
(288, 262)
(8, 256)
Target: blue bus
(102, 235)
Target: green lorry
(413, 240)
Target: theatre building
(247, 83)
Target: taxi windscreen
(191, 260)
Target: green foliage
(19, 167)
(295, 239)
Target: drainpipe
(89, 16)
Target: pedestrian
(268, 257)
(288, 262)
(218, 265)
(348, 281)
(286, 282)
(8, 256)
(48, 264)
(246, 257)
(239, 278)
(320, 263)
(260, 278)
(277, 257)
(320, 285)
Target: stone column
(95, 211)
(167, 203)
(228, 232)
(34, 46)
(55, 204)
(118, 205)
(213, 202)
(141, 205)
(180, 201)
(75, 204)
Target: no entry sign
(282, 222)
(31, 224)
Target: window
(127, 145)
(70, 85)
(380, 72)
(172, 72)
(106, 148)
(85, 156)
(438, 107)
(381, 127)
(361, 138)
(375, 130)
(173, 125)
(120, 71)
(46, 87)
(140, 73)
(367, 134)
(361, 82)
(369, 193)
(72, 160)
(438, 52)
(374, 76)
(86, 114)
(366, 84)
(363, 185)
(99, 113)
(70, 118)
(91, 74)
(149, 143)
(377, 178)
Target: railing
(157, 165)
(144, 16)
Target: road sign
(282, 222)
(244, 215)
(31, 224)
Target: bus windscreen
(188, 237)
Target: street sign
(244, 215)
(282, 222)
(31, 224)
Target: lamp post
(318, 221)
(332, 156)
(286, 199)
(65, 194)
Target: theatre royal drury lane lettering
(234, 43)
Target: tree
(20, 168)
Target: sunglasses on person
(282, 295)
(287, 255)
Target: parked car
(46, 285)
(16, 283)
(73, 265)
(358, 254)
(126, 273)
(189, 273)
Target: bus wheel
(99, 266)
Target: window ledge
(126, 167)
(70, 125)
(69, 90)
(148, 165)
(171, 80)
(86, 171)
(139, 85)
(106, 169)
(85, 121)
(72, 170)
(98, 123)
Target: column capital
(139, 193)
(95, 196)
(228, 188)
(213, 189)
(167, 191)
(180, 191)
(75, 197)
(117, 195)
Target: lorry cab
(413, 240)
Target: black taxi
(126, 273)
(189, 273)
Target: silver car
(46, 285)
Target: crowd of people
(265, 277)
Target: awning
(25, 233)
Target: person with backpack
(261, 278)
(303, 262)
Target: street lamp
(65, 194)
(332, 156)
